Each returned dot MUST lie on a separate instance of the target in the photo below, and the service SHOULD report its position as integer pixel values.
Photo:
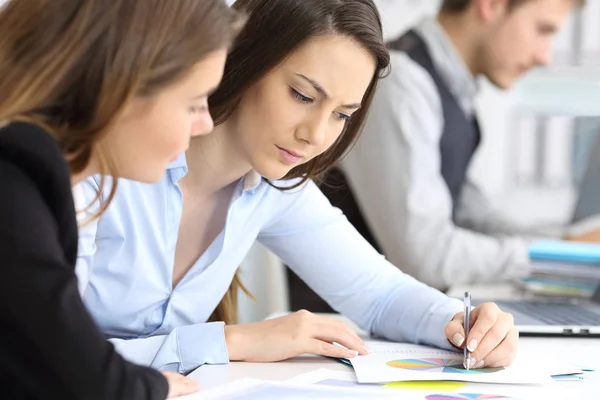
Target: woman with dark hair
(296, 89)
(87, 87)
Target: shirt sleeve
(323, 248)
(478, 212)
(394, 173)
(50, 345)
(183, 350)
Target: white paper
(552, 391)
(391, 362)
(254, 389)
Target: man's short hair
(458, 6)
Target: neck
(215, 160)
(91, 169)
(459, 29)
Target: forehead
(548, 11)
(340, 64)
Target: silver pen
(467, 323)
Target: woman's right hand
(286, 337)
(180, 385)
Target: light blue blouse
(128, 258)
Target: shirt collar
(251, 180)
(449, 63)
(179, 163)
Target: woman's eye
(342, 116)
(197, 109)
(300, 97)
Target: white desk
(584, 353)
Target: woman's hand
(286, 337)
(493, 338)
(180, 385)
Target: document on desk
(436, 390)
(392, 362)
(254, 389)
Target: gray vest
(461, 135)
(458, 143)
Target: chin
(271, 172)
(146, 176)
(503, 83)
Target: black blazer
(50, 348)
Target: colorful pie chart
(438, 365)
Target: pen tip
(467, 364)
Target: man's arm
(476, 211)
(394, 172)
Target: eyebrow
(323, 93)
(548, 27)
(206, 94)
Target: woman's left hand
(493, 338)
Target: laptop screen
(596, 296)
(588, 203)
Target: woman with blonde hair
(88, 87)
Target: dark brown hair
(459, 6)
(276, 28)
(73, 65)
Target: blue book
(548, 250)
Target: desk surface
(584, 353)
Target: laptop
(575, 317)
(588, 200)
(549, 317)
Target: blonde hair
(71, 66)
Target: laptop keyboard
(554, 313)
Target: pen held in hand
(467, 324)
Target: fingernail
(472, 345)
(478, 365)
(458, 339)
(352, 353)
(468, 364)
(366, 349)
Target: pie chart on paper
(445, 365)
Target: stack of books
(562, 268)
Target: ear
(490, 10)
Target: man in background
(409, 172)
(406, 184)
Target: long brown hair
(73, 65)
(275, 28)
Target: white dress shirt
(128, 257)
(394, 172)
